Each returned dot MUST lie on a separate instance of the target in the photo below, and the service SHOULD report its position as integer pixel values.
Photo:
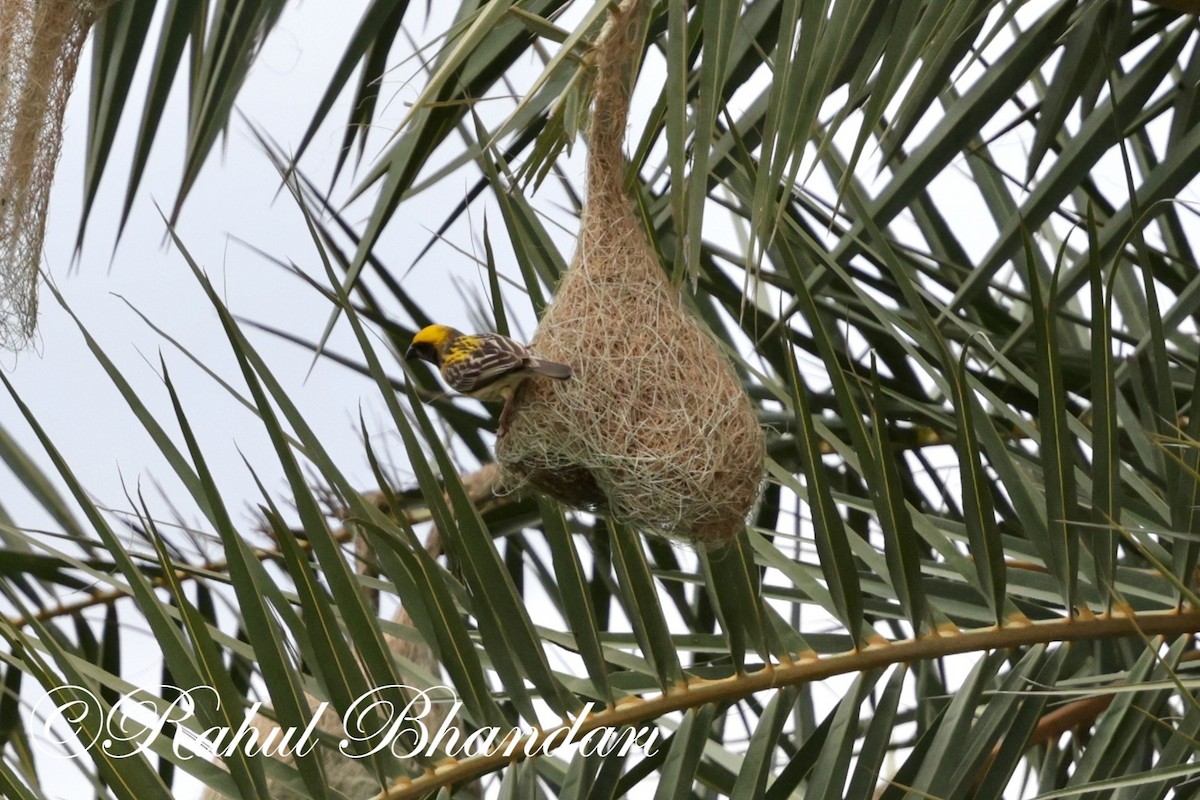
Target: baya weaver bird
(486, 366)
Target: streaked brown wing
(482, 361)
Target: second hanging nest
(655, 428)
(40, 43)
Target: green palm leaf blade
(993, 778)
(901, 544)
(581, 779)
(987, 548)
(176, 650)
(1101, 540)
(436, 612)
(1116, 744)
(642, 606)
(829, 532)
(1188, 501)
(247, 772)
(876, 743)
(951, 739)
(733, 583)
(252, 586)
(718, 24)
(828, 778)
(126, 771)
(1092, 41)
(803, 761)
(360, 622)
(686, 751)
(503, 619)
(48, 497)
(757, 763)
(1000, 718)
(538, 258)
(427, 591)
(118, 40)
(678, 52)
(183, 21)
(222, 65)
(13, 786)
(1061, 547)
(942, 40)
(1078, 158)
(576, 598)
(1176, 757)
(1163, 405)
(368, 46)
(483, 47)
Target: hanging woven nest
(655, 428)
(40, 43)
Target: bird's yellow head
(430, 343)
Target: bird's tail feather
(551, 369)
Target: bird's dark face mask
(423, 351)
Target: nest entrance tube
(655, 428)
(40, 42)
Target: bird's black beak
(410, 353)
